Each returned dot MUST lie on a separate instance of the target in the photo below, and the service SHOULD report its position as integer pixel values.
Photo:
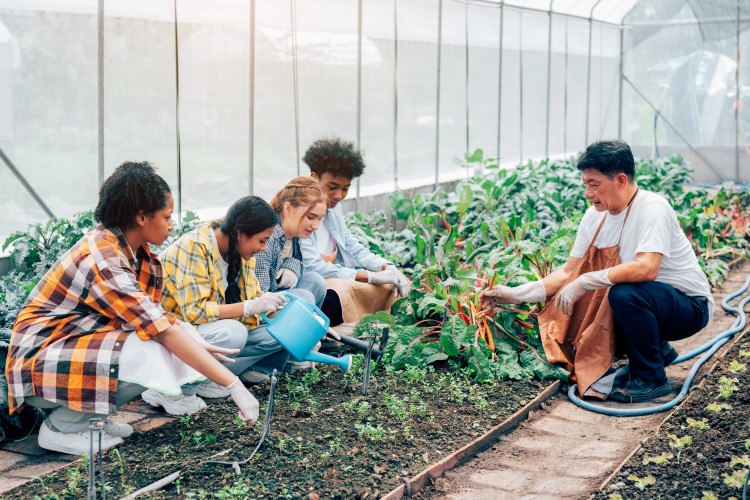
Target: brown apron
(360, 299)
(584, 342)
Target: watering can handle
(291, 298)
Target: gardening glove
(529, 292)
(332, 333)
(573, 291)
(268, 302)
(244, 400)
(403, 285)
(386, 277)
(216, 351)
(286, 278)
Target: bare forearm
(179, 343)
(232, 311)
(554, 281)
(361, 276)
(633, 272)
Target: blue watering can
(298, 327)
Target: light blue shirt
(351, 254)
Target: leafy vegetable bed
(703, 450)
(326, 439)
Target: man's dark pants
(649, 313)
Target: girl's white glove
(286, 278)
(268, 302)
(244, 400)
(402, 284)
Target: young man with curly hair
(359, 282)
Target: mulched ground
(699, 452)
(326, 439)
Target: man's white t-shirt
(651, 227)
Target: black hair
(336, 156)
(132, 187)
(608, 157)
(249, 215)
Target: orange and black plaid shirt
(67, 339)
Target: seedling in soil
(281, 444)
(747, 445)
(744, 354)
(407, 433)
(709, 495)
(727, 386)
(678, 443)
(743, 460)
(185, 421)
(615, 496)
(736, 480)
(697, 424)
(660, 459)
(74, 478)
(396, 407)
(351, 405)
(238, 422)
(369, 431)
(641, 483)
(363, 409)
(717, 407)
(201, 439)
(737, 367)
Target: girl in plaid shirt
(300, 207)
(92, 330)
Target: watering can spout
(344, 362)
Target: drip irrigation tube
(707, 350)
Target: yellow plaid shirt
(193, 287)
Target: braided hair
(249, 215)
(336, 156)
(299, 192)
(132, 187)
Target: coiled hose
(709, 349)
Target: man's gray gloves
(501, 294)
(573, 291)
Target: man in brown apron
(359, 282)
(631, 273)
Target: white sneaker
(117, 429)
(295, 366)
(210, 389)
(73, 443)
(254, 377)
(174, 405)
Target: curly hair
(336, 156)
(249, 215)
(132, 187)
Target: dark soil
(715, 463)
(326, 439)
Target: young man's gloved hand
(286, 278)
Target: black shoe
(668, 353)
(639, 390)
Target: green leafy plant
(718, 407)
(697, 424)
(727, 386)
(743, 460)
(736, 480)
(659, 459)
(679, 443)
(641, 483)
(709, 495)
(736, 367)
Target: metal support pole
(177, 114)
(565, 92)
(293, 8)
(520, 87)
(588, 71)
(100, 87)
(500, 81)
(737, 101)
(622, 73)
(466, 97)
(359, 90)
(251, 102)
(17, 173)
(549, 77)
(395, 95)
(437, 104)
